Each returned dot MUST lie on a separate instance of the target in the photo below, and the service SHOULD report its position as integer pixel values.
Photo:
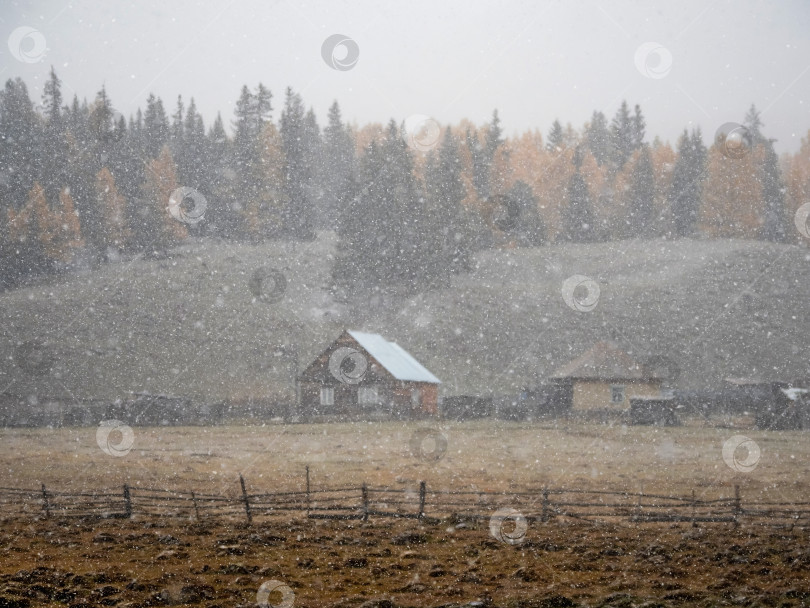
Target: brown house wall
(395, 400)
(395, 395)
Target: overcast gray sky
(534, 61)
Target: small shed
(781, 406)
(363, 376)
(604, 379)
(653, 411)
(466, 407)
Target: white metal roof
(394, 358)
(794, 393)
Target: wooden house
(363, 376)
(604, 379)
(776, 405)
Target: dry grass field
(151, 561)
(481, 455)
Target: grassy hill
(190, 324)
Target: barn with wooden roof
(363, 376)
(605, 378)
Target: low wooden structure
(603, 380)
(777, 406)
(466, 407)
(659, 412)
(363, 376)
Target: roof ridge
(394, 358)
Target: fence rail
(419, 502)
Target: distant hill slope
(190, 325)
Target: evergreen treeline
(81, 184)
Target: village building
(776, 405)
(603, 380)
(363, 376)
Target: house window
(416, 396)
(327, 396)
(367, 395)
(617, 393)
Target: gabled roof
(395, 359)
(604, 361)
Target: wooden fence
(419, 502)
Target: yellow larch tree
(161, 181)
(732, 195)
(115, 232)
(550, 187)
(262, 213)
(19, 222)
(797, 179)
(58, 230)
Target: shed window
(416, 396)
(327, 396)
(617, 393)
(367, 395)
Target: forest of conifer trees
(81, 184)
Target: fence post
(364, 489)
(422, 497)
(308, 496)
(694, 508)
(45, 506)
(544, 517)
(737, 505)
(196, 510)
(127, 502)
(245, 499)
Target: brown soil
(384, 563)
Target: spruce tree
(178, 126)
(639, 222)
(313, 158)
(622, 136)
(383, 224)
(556, 137)
(483, 154)
(54, 171)
(360, 227)
(597, 138)
(220, 218)
(298, 218)
(638, 127)
(448, 239)
(577, 216)
(493, 136)
(20, 136)
(52, 99)
(753, 123)
(529, 229)
(480, 168)
(336, 168)
(773, 195)
(188, 145)
(155, 127)
(687, 183)
(245, 183)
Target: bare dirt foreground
(400, 564)
(153, 561)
